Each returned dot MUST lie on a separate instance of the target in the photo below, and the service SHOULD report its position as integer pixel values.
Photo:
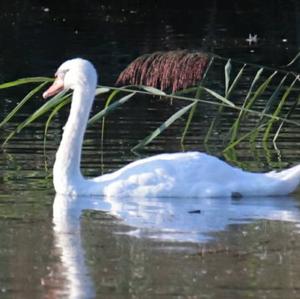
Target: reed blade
(261, 89)
(22, 103)
(278, 110)
(49, 120)
(153, 90)
(38, 113)
(236, 125)
(25, 81)
(227, 71)
(162, 127)
(246, 135)
(188, 122)
(192, 111)
(288, 115)
(213, 124)
(110, 108)
(293, 60)
(218, 96)
(102, 90)
(235, 81)
(271, 103)
(249, 102)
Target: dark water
(128, 248)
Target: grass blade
(213, 124)
(153, 90)
(110, 108)
(102, 90)
(38, 113)
(278, 109)
(227, 71)
(289, 113)
(163, 126)
(188, 122)
(25, 81)
(248, 134)
(293, 60)
(213, 103)
(107, 103)
(274, 97)
(235, 81)
(218, 96)
(236, 125)
(52, 114)
(20, 105)
(260, 90)
(193, 110)
(249, 101)
(256, 78)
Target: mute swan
(190, 174)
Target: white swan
(190, 174)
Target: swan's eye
(61, 74)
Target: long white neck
(66, 171)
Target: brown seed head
(172, 70)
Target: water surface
(133, 248)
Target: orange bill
(56, 87)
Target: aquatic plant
(173, 70)
(266, 96)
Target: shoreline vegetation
(192, 79)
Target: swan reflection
(164, 219)
(175, 219)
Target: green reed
(275, 88)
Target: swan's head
(71, 74)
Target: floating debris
(252, 39)
(195, 212)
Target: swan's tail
(289, 177)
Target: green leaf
(227, 76)
(153, 90)
(235, 81)
(293, 60)
(289, 113)
(162, 127)
(250, 100)
(274, 97)
(110, 108)
(38, 113)
(279, 107)
(52, 114)
(219, 97)
(248, 134)
(213, 124)
(23, 101)
(260, 90)
(256, 78)
(25, 81)
(188, 122)
(102, 90)
(236, 125)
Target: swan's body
(190, 174)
